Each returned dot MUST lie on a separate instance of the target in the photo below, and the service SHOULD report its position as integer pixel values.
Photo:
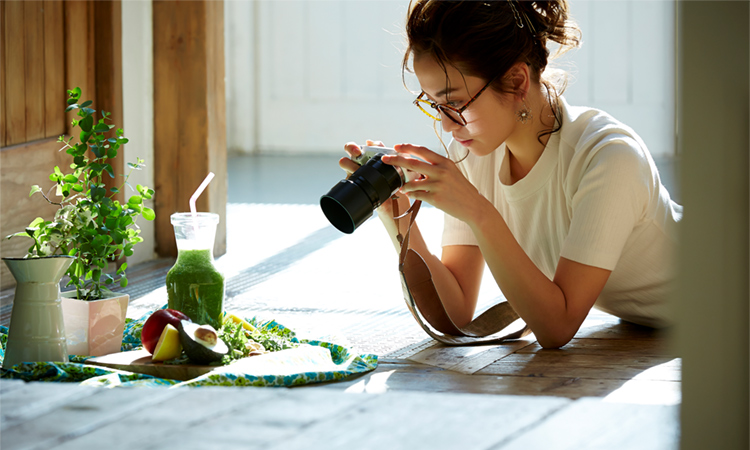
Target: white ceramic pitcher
(37, 330)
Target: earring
(524, 115)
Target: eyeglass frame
(439, 108)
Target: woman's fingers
(352, 149)
(407, 163)
(420, 152)
(348, 165)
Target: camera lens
(351, 201)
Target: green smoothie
(196, 288)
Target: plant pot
(94, 327)
(37, 329)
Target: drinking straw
(198, 192)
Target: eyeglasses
(454, 114)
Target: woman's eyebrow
(443, 92)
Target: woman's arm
(554, 309)
(457, 276)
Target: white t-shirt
(595, 197)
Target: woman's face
(490, 118)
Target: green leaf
(102, 127)
(89, 111)
(36, 222)
(71, 106)
(112, 154)
(97, 193)
(135, 200)
(77, 187)
(70, 178)
(34, 190)
(114, 190)
(86, 123)
(109, 170)
(148, 214)
(86, 103)
(124, 281)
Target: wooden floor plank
(79, 417)
(598, 327)
(413, 421)
(592, 424)
(467, 359)
(185, 410)
(562, 364)
(607, 347)
(34, 399)
(256, 425)
(407, 376)
(8, 385)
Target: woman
(563, 204)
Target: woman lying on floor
(564, 204)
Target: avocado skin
(197, 352)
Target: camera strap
(497, 324)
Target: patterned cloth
(310, 362)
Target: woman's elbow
(553, 341)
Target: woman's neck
(524, 145)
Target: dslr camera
(351, 202)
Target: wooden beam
(14, 62)
(79, 52)
(189, 113)
(54, 69)
(108, 74)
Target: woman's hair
(486, 38)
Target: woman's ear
(519, 80)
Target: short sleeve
(457, 232)
(607, 198)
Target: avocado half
(199, 349)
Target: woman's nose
(448, 123)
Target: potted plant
(92, 226)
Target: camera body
(352, 200)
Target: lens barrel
(351, 201)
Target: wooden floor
(615, 385)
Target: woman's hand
(439, 183)
(385, 211)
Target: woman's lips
(464, 143)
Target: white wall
(309, 75)
(138, 108)
(626, 65)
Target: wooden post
(189, 113)
(712, 305)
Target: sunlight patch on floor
(642, 389)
